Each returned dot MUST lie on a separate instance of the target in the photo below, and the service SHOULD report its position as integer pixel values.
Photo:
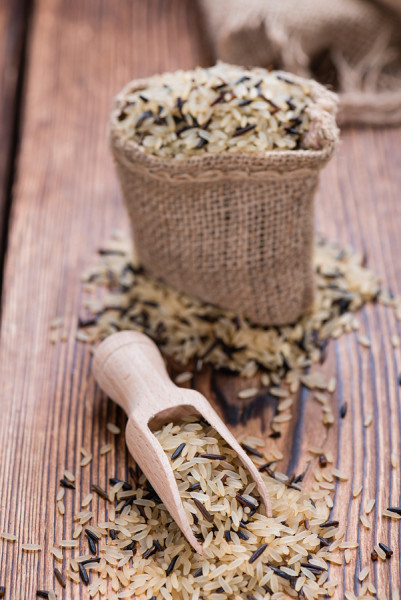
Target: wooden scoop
(130, 369)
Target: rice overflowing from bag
(187, 329)
(224, 108)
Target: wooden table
(59, 190)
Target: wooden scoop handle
(130, 369)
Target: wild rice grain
(83, 574)
(100, 492)
(91, 534)
(60, 577)
(331, 523)
(171, 565)
(257, 553)
(203, 510)
(67, 484)
(178, 451)
(251, 450)
(213, 456)
(395, 509)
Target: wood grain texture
(14, 18)
(67, 203)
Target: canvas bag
(354, 45)
(234, 229)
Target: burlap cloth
(237, 229)
(353, 45)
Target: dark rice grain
(252, 451)
(67, 484)
(213, 456)
(395, 509)
(83, 573)
(330, 524)
(92, 535)
(92, 546)
(178, 451)
(243, 130)
(171, 565)
(257, 553)
(60, 577)
(100, 492)
(203, 510)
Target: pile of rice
(224, 108)
(142, 551)
(139, 552)
(191, 331)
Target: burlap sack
(236, 230)
(353, 45)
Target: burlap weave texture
(235, 230)
(353, 44)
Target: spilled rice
(120, 296)
(137, 551)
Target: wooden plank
(68, 203)
(14, 17)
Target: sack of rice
(218, 169)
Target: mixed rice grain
(189, 330)
(141, 551)
(224, 108)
